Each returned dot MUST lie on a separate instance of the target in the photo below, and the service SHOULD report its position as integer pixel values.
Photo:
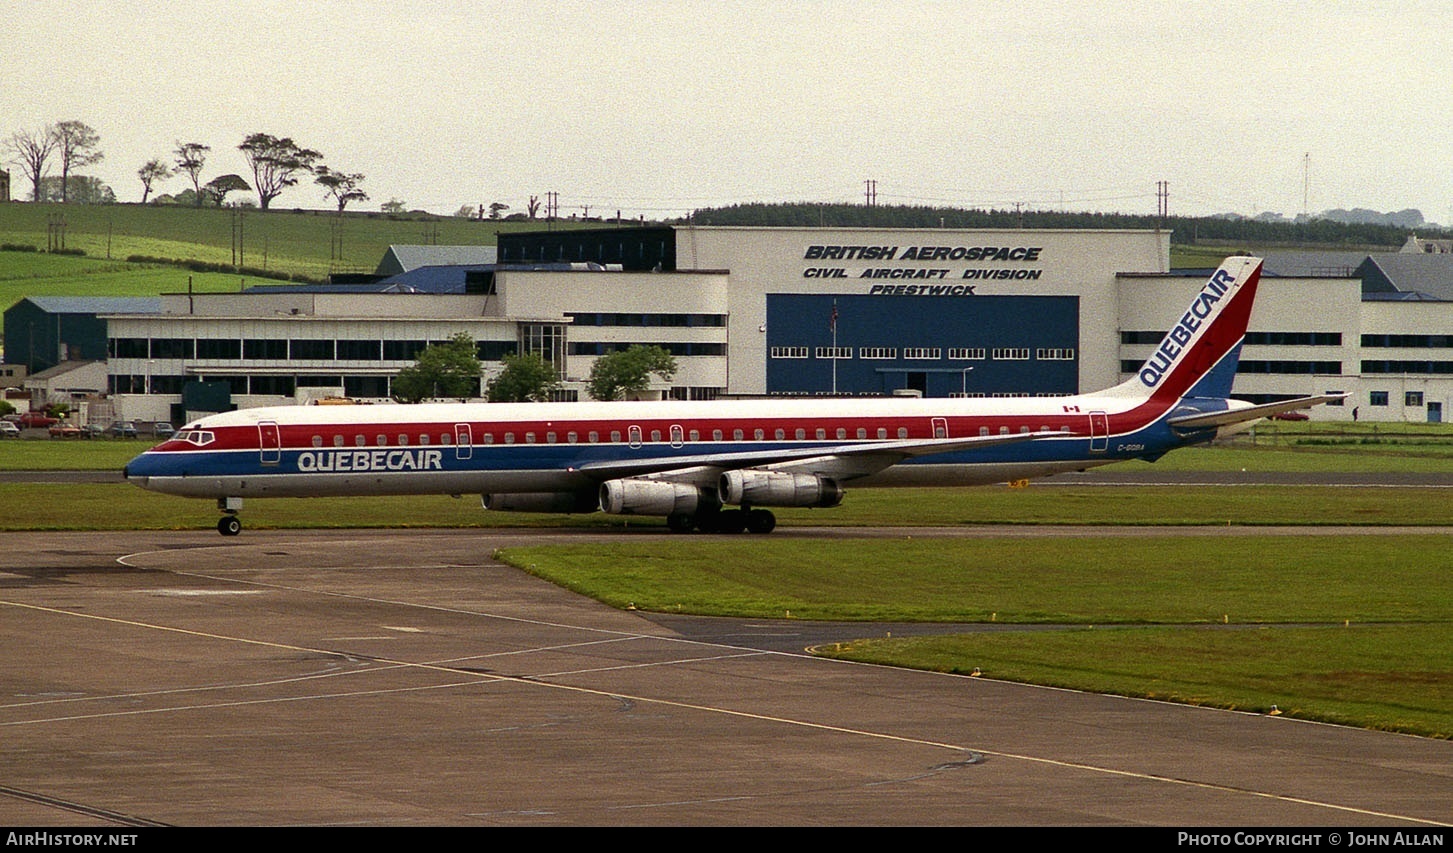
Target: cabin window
(695, 436)
(446, 438)
(1003, 430)
(360, 441)
(862, 433)
(1024, 430)
(489, 438)
(381, 440)
(903, 432)
(317, 441)
(337, 441)
(758, 434)
(800, 433)
(716, 435)
(424, 439)
(403, 440)
(592, 437)
(882, 433)
(842, 433)
(509, 438)
(529, 438)
(737, 435)
(983, 431)
(655, 435)
(550, 437)
(615, 435)
(780, 434)
(821, 433)
(571, 437)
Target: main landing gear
(724, 521)
(229, 524)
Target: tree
(76, 144)
(625, 373)
(534, 206)
(393, 206)
(32, 150)
(217, 189)
(527, 378)
(342, 187)
(275, 164)
(449, 369)
(191, 156)
(154, 170)
(495, 208)
(84, 189)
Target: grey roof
(1429, 275)
(400, 259)
(97, 304)
(1304, 263)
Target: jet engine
(778, 488)
(541, 502)
(653, 497)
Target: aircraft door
(1099, 432)
(940, 427)
(634, 436)
(463, 441)
(269, 442)
(677, 437)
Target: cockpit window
(199, 437)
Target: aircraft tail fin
(1198, 357)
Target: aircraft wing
(844, 461)
(1228, 417)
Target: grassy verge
(1353, 630)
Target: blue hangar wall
(981, 345)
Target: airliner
(719, 466)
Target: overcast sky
(657, 108)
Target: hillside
(284, 243)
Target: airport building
(763, 312)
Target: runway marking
(478, 679)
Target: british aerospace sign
(936, 278)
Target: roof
(96, 304)
(1297, 263)
(400, 259)
(1428, 275)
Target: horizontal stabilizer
(1242, 414)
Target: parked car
(122, 429)
(162, 429)
(1291, 416)
(65, 430)
(93, 431)
(37, 419)
(9, 430)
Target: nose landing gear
(229, 524)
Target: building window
(877, 352)
(360, 350)
(1011, 353)
(303, 349)
(219, 349)
(833, 352)
(923, 353)
(966, 353)
(1377, 398)
(265, 349)
(1054, 354)
(1413, 398)
(789, 352)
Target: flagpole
(834, 347)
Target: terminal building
(767, 311)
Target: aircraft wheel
(761, 521)
(229, 525)
(680, 523)
(730, 521)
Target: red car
(36, 419)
